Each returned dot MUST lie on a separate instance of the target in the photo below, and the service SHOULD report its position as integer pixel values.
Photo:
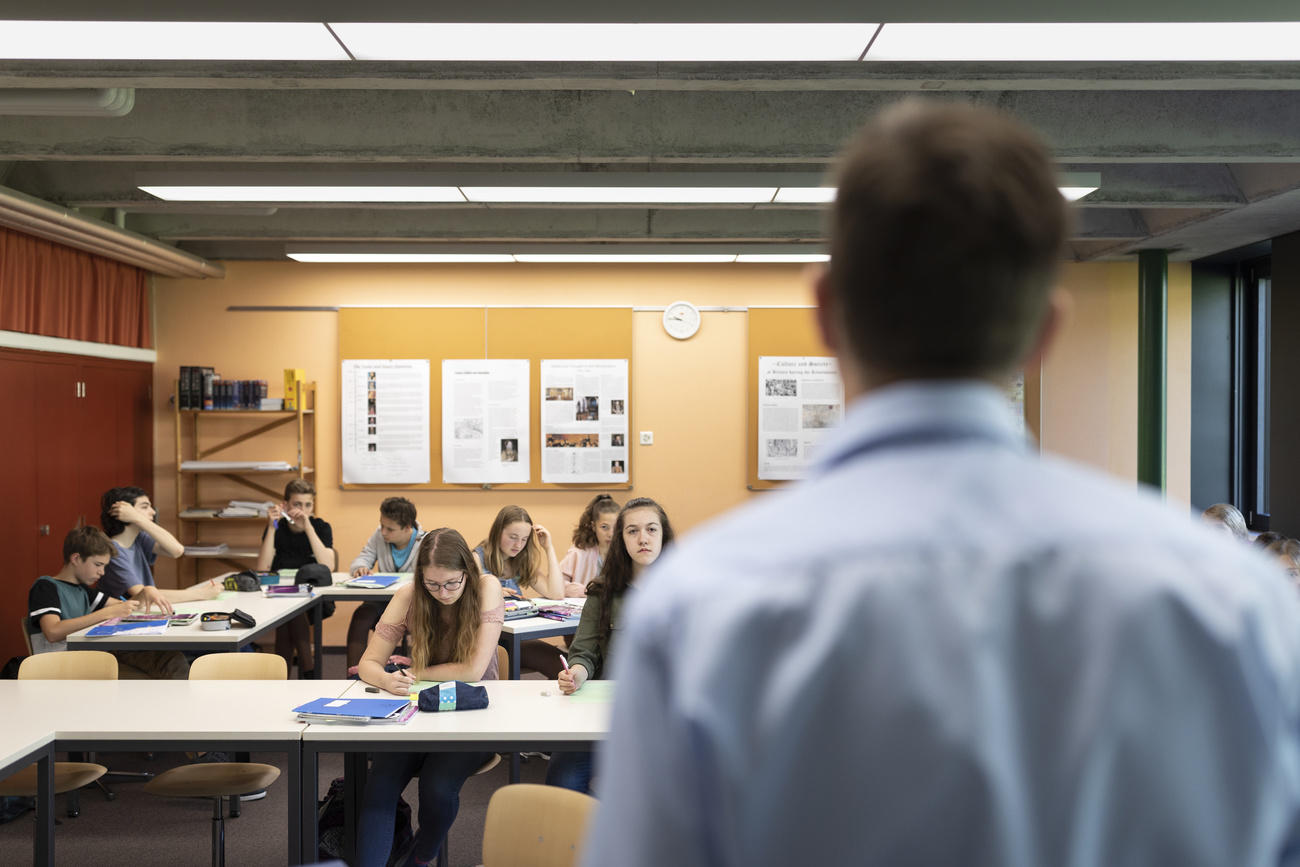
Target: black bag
(329, 818)
(243, 581)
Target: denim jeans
(441, 776)
(571, 770)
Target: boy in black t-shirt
(293, 538)
(61, 604)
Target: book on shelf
(195, 512)
(292, 376)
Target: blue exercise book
(377, 581)
(127, 626)
(355, 708)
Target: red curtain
(47, 288)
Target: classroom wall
(1089, 379)
(691, 394)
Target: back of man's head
(946, 235)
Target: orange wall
(691, 394)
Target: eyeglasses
(450, 586)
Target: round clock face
(681, 320)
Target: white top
(522, 711)
(944, 650)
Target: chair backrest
(69, 665)
(535, 826)
(239, 666)
(503, 662)
(26, 629)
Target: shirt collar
(923, 406)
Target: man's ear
(1059, 306)
(827, 307)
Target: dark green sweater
(586, 647)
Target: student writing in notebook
(521, 556)
(641, 533)
(452, 613)
(391, 548)
(293, 538)
(67, 601)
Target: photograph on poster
(820, 415)
(588, 409)
(510, 451)
(616, 466)
(782, 448)
(616, 407)
(559, 393)
(616, 439)
(782, 387)
(469, 428)
(572, 441)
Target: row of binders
(203, 388)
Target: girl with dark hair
(641, 534)
(591, 538)
(453, 615)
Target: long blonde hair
(527, 564)
(431, 642)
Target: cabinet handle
(44, 529)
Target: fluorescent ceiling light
(606, 42)
(621, 195)
(397, 258)
(804, 195)
(1073, 194)
(766, 258)
(303, 194)
(166, 40)
(625, 258)
(1167, 41)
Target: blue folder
(126, 626)
(355, 708)
(377, 581)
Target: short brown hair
(399, 510)
(86, 542)
(945, 238)
(299, 486)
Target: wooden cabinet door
(18, 510)
(58, 454)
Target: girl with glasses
(453, 614)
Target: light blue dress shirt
(943, 649)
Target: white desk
(24, 739)
(269, 613)
(521, 715)
(341, 592)
(174, 715)
(515, 632)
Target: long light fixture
(608, 42)
(568, 257)
(295, 193)
(167, 40)
(556, 195)
(1088, 41)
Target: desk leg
(44, 842)
(309, 832)
(354, 786)
(318, 617)
(514, 657)
(293, 756)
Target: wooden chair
(68, 776)
(535, 826)
(69, 665)
(219, 780)
(26, 629)
(239, 666)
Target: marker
(565, 661)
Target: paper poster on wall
(799, 399)
(384, 410)
(485, 421)
(584, 420)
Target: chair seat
(213, 779)
(67, 776)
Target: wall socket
(647, 437)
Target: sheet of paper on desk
(594, 691)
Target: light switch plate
(647, 437)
